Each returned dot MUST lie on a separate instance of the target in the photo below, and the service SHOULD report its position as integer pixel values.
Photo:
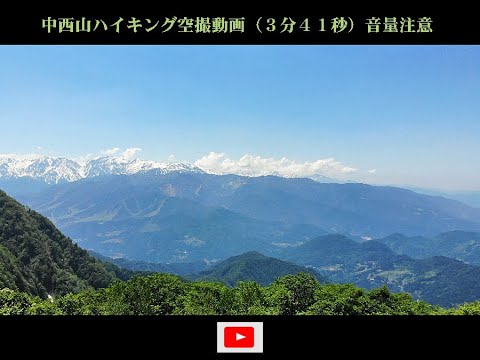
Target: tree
(468, 309)
(14, 302)
(206, 298)
(335, 299)
(293, 294)
(158, 294)
(248, 299)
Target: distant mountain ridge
(172, 268)
(190, 216)
(47, 169)
(471, 198)
(53, 170)
(57, 170)
(460, 245)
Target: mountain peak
(254, 266)
(49, 169)
(54, 170)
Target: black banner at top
(204, 28)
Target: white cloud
(127, 154)
(130, 153)
(172, 158)
(251, 165)
(110, 152)
(372, 171)
(83, 159)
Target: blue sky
(396, 114)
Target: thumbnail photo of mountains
(240, 180)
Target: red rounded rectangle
(238, 337)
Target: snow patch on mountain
(53, 170)
(50, 170)
(57, 170)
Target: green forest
(165, 294)
(42, 272)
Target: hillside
(191, 216)
(438, 280)
(141, 218)
(253, 266)
(36, 258)
(460, 245)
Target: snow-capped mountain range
(57, 170)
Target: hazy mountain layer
(194, 216)
(460, 245)
(438, 280)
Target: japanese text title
(219, 25)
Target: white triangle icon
(239, 336)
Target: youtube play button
(239, 337)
